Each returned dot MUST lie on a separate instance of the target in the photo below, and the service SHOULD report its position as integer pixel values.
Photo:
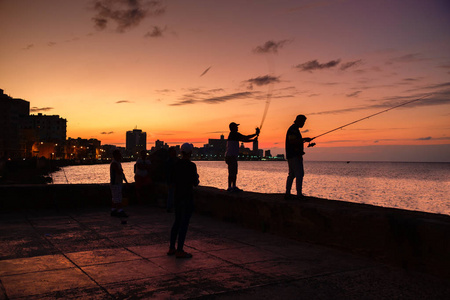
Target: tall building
(217, 147)
(136, 141)
(12, 138)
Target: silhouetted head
(186, 149)
(300, 121)
(117, 155)
(233, 126)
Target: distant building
(13, 143)
(84, 149)
(268, 154)
(215, 148)
(47, 134)
(136, 141)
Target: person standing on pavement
(232, 153)
(116, 179)
(294, 155)
(184, 177)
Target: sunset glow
(183, 70)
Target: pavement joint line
(76, 265)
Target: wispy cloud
(28, 47)
(126, 14)
(354, 94)
(123, 101)
(407, 58)
(40, 109)
(271, 46)
(313, 65)
(442, 98)
(262, 80)
(204, 72)
(155, 32)
(207, 97)
(350, 64)
(104, 132)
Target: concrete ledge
(413, 240)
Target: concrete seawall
(413, 240)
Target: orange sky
(117, 65)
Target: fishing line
(271, 66)
(359, 120)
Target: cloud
(408, 58)
(123, 101)
(355, 94)
(51, 44)
(271, 46)
(350, 64)
(104, 132)
(425, 138)
(313, 65)
(42, 109)
(198, 97)
(28, 47)
(436, 99)
(156, 32)
(206, 71)
(126, 14)
(262, 80)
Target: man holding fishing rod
(232, 153)
(294, 155)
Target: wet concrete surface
(87, 254)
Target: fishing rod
(359, 120)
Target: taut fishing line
(359, 120)
(271, 66)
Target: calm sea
(412, 186)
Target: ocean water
(412, 186)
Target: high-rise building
(12, 114)
(136, 141)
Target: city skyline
(183, 71)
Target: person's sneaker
(288, 197)
(236, 189)
(171, 252)
(114, 213)
(122, 214)
(230, 190)
(183, 254)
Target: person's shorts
(116, 192)
(232, 164)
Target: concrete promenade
(87, 254)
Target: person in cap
(232, 153)
(184, 177)
(294, 155)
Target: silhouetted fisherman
(232, 153)
(294, 155)
(184, 178)
(116, 179)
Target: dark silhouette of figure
(170, 164)
(294, 155)
(232, 153)
(184, 178)
(142, 176)
(116, 179)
